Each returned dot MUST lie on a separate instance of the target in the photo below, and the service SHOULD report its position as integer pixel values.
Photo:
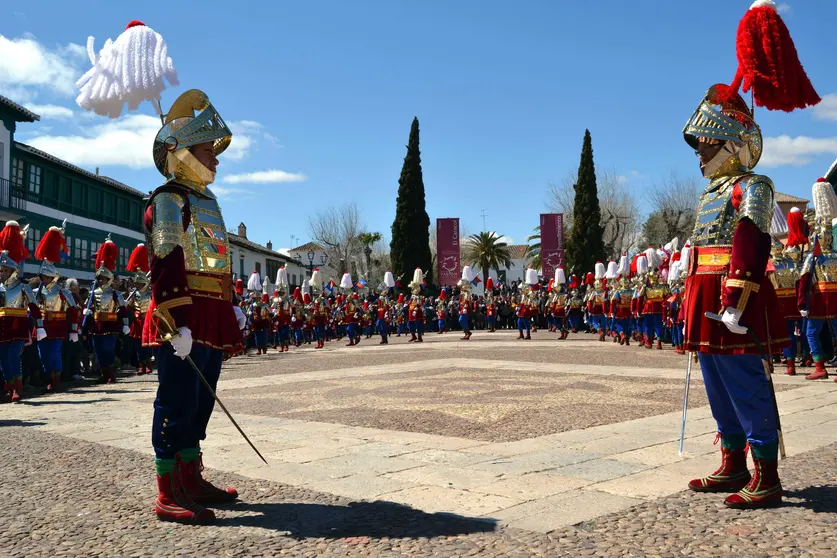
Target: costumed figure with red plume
(728, 262)
(139, 301)
(621, 296)
(442, 312)
(415, 311)
(465, 302)
(575, 305)
(58, 307)
(490, 305)
(786, 263)
(107, 311)
(817, 286)
(191, 276)
(19, 305)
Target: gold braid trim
(165, 307)
(747, 288)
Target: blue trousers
(10, 360)
(284, 333)
(183, 405)
(382, 328)
(623, 325)
(575, 319)
(596, 322)
(319, 332)
(492, 322)
(261, 338)
(677, 334)
(351, 330)
(653, 326)
(524, 323)
(739, 396)
(50, 353)
(813, 331)
(143, 353)
(440, 324)
(298, 336)
(463, 322)
(105, 347)
(417, 328)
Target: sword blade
(685, 405)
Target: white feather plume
(346, 281)
(389, 280)
(599, 270)
(281, 277)
(560, 277)
(685, 254)
(673, 272)
(641, 265)
(466, 274)
(316, 279)
(825, 201)
(131, 69)
(418, 276)
(306, 287)
(624, 266)
(653, 258)
(612, 270)
(255, 282)
(532, 277)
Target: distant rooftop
(23, 113)
(787, 198)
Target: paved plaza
(489, 447)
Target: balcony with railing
(11, 196)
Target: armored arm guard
(804, 284)
(166, 220)
(751, 241)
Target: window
(34, 179)
(79, 198)
(94, 249)
(65, 192)
(32, 240)
(82, 254)
(17, 173)
(272, 268)
(109, 207)
(293, 278)
(259, 268)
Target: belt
(13, 312)
(786, 293)
(105, 316)
(826, 287)
(712, 260)
(54, 315)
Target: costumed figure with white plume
(351, 310)
(57, 305)
(527, 308)
(674, 301)
(786, 265)
(621, 297)
(415, 312)
(558, 304)
(651, 300)
(319, 307)
(107, 311)
(596, 302)
(640, 271)
(442, 312)
(139, 301)
(728, 262)
(465, 301)
(19, 305)
(191, 276)
(282, 311)
(384, 310)
(817, 287)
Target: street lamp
(323, 258)
(311, 261)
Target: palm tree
(485, 251)
(533, 250)
(367, 240)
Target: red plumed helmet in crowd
(589, 279)
(401, 298)
(355, 297)
(51, 246)
(12, 241)
(549, 285)
(489, 284)
(106, 256)
(366, 305)
(768, 63)
(574, 284)
(797, 227)
(139, 259)
(265, 298)
(306, 298)
(239, 287)
(297, 295)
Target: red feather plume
(797, 229)
(768, 63)
(139, 259)
(11, 240)
(51, 246)
(107, 254)
(489, 284)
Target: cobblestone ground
(63, 497)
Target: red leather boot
(659, 345)
(764, 489)
(731, 476)
(819, 372)
(199, 489)
(791, 368)
(173, 504)
(17, 389)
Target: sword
(685, 403)
(171, 332)
(768, 371)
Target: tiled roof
(255, 246)
(307, 247)
(518, 251)
(25, 114)
(104, 179)
(787, 198)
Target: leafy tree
(485, 251)
(368, 240)
(410, 244)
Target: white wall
(514, 273)
(5, 153)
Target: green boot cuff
(164, 466)
(189, 454)
(768, 451)
(734, 441)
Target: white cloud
(785, 150)
(784, 8)
(50, 111)
(272, 176)
(27, 63)
(507, 239)
(224, 193)
(827, 109)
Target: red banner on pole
(552, 243)
(447, 251)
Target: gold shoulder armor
(757, 201)
(167, 230)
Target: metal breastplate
(625, 297)
(655, 293)
(16, 295)
(205, 245)
(716, 216)
(50, 299)
(826, 271)
(142, 300)
(786, 274)
(599, 297)
(105, 300)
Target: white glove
(730, 319)
(182, 342)
(40, 333)
(74, 337)
(126, 330)
(803, 313)
(240, 317)
(88, 312)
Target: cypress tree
(410, 245)
(586, 244)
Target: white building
(303, 259)
(248, 256)
(511, 274)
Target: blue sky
(325, 92)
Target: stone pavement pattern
(590, 483)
